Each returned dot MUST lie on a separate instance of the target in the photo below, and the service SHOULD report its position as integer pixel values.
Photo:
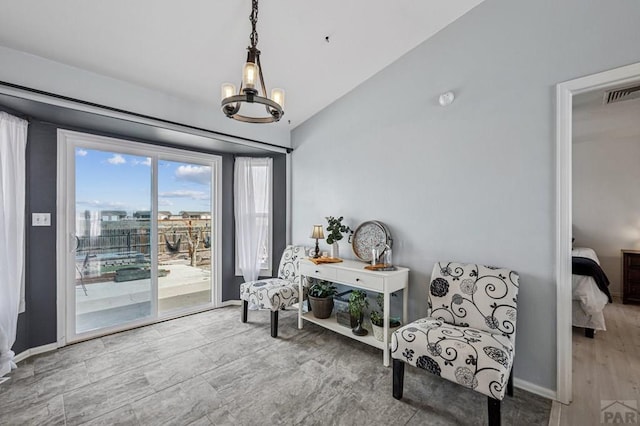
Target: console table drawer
(317, 271)
(360, 279)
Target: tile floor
(210, 368)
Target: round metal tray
(369, 235)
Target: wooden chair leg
(494, 411)
(510, 383)
(245, 308)
(274, 323)
(589, 332)
(398, 378)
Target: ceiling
(594, 121)
(189, 48)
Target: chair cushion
(271, 293)
(473, 358)
(476, 296)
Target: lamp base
(317, 254)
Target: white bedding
(588, 300)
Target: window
(253, 213)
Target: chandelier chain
(253, 38)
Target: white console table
(353, 274)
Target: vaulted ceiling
(189, 48)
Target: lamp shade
(317, 232)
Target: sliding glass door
(112, 284)
(139, 239)
(184, 228)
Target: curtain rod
(135, 114)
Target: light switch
(41, 219)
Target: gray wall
(606, 201)
(474, 181)
(37, 325)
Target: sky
(113, 181)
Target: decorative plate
(367, 236)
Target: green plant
(335, 229)
(321, 289)
(358, 302)
(377, 318)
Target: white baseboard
(35, 351)
(533, 388)
(231, 303)
(556, 412)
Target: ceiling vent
(619, 95)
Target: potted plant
(377, 321)
(321, 298)
(358, 302)
(335, 230)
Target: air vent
(619, 95)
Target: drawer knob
(357, 279)
(317, 272)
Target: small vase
(359, 331)
(335, 250)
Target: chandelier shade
(252, 88)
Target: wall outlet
(41, 219)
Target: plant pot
(321, 306)
(378, 332)
(359, 330)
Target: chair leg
(589, 332)
(398, 378)
(274, 323)
(494, 411)
(245, 308)
(510, 383)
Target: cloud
(197, 174)
(81, 152)
(116, 159)
(145, 162)
(164, 202)
(184, 193)
(105, 205)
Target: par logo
(619, 412)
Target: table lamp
(318, 235)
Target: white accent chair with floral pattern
(469, 335)
(275, 293)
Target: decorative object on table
(381, 259)
(377, 321)
(275, 293)
(469, 336)
(321, 298)
(335, 230)
(341, 306)
(249, 91)
(358, 302)
(318, 235)
(367, 236)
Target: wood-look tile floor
(210, 368)
(606, 368)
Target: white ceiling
(189, 48)
(593, 121)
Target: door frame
(564, 114)
(65, 221)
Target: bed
(588, 301)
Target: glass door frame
(67, 142)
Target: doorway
(138, 227)
(564, 104)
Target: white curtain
(13, 143)
(252, 200)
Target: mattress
(588, 300)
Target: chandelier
(249, 90)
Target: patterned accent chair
(469, 335)
(275, 293)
